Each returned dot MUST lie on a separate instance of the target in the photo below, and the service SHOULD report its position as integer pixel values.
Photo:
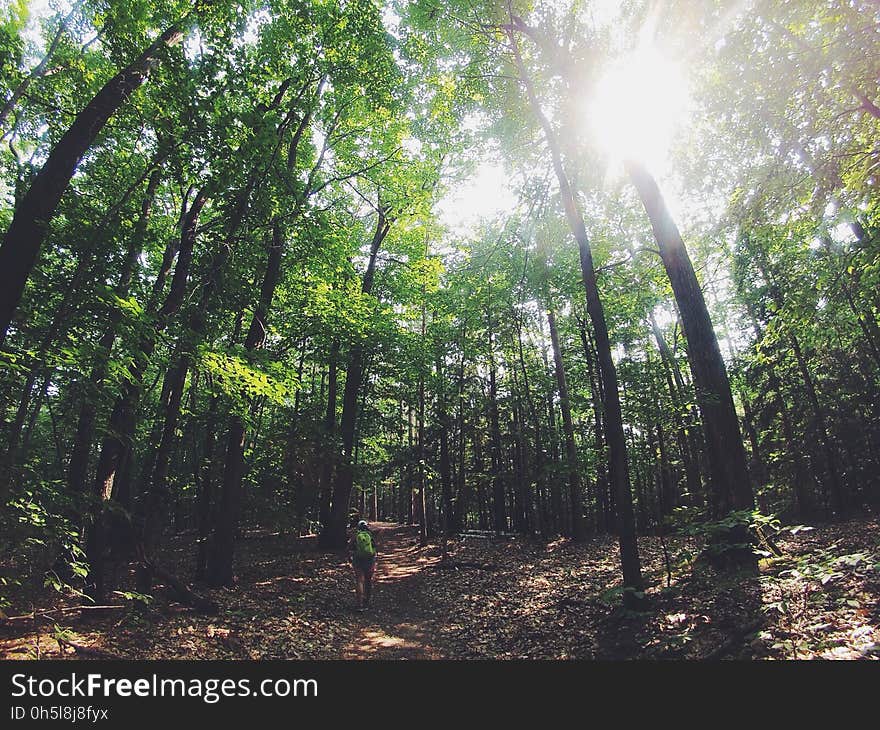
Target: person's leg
(368, 580)
(359, 584)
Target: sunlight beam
(636, 108)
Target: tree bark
(617, 468)
(574, 478)
(732, 487)
(30, 223)
(220, 557)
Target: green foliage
(738, 530)
(141, 598)
(241, 380)
(41, 540)
(309, 118)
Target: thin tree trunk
(618, 470)
(535, 510)
(574, 479)
(333, 534)
(499, 516)
(329, 449)
(446, 513)
(219, 570)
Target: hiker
(363, 559)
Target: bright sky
(39, 9)
(486, 194)
(637, 107)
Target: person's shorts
(364, 565)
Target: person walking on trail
(363, 559)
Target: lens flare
(637, 106)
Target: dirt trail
(398, 624)
(516, 599)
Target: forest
(575, 302)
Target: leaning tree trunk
(123, 417)
(333, 532)
(220, 558)
(617, 467)
(732, 487)
(30, 223)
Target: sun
(636, 108)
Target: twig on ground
(86, 650)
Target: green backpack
(363, 545)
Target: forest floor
(489, 599)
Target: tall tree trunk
(326, 476)
(423, 483)
(732, 487)
(555, 507)
(30, 223)
(333, 533)
(411, 512)
(219, 570)
(574, 478)
(447, 515)
(460, 509)
(535, 507)
(617, 468)
(499, 516)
